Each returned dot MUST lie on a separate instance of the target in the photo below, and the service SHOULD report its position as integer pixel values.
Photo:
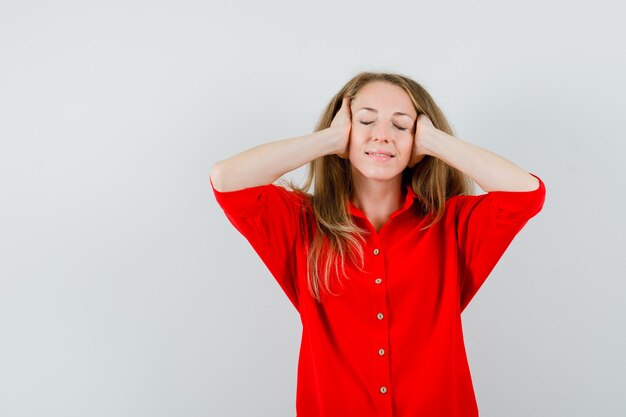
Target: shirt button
(381, 352)
(383, 389)
(376, 251)
(380, 316)
(378, 280)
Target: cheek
(356, 139)
(407, 148)
(356, 146)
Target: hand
(343, 123)
(423, 127)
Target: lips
(379, 158)
(381, 152)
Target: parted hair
(333, 234)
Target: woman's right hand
(342, 122)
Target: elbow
(215, 177)
(533, 183)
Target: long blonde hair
(337, 235)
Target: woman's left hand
(423, 127)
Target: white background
(125, 291)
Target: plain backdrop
(125, 291)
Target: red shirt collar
(408, 201)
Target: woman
(382, 333)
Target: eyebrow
(376, 111)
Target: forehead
(383, 97)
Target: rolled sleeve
(268, 217)
(485, 227)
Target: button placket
(380, 314)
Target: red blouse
(391, 344)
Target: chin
(376, 173)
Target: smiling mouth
(379, 154)
(379, 157)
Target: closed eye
(397, 127)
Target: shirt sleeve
(268, 217)
(485, 226)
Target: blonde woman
(383, 257)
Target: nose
(376, 137)
(381, 132)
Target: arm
(265, 163)
(485, 224)
(267, 215)
(489, 170)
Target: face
(378, 125)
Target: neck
(378, 199)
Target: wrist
(337, 139)
(435, 141)
(332, 137)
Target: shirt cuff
(243, 202)
(520, 204)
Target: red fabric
(413, 313)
